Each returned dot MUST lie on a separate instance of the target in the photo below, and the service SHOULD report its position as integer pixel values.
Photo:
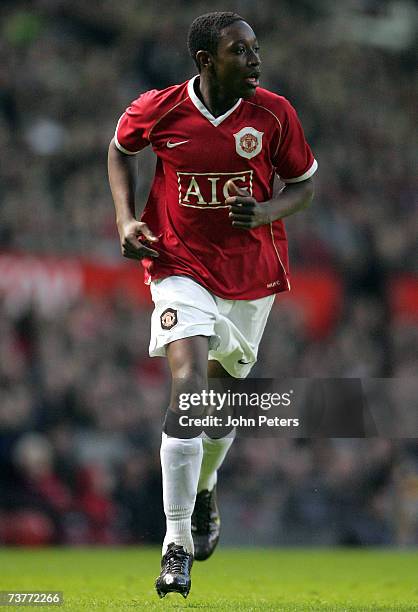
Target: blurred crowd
(80, 420)
(81, 403)
(70, 68)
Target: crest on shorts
(168, 318)
(248, 142)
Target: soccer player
(213, 245)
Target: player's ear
(203, 59)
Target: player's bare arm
(122, 183)
(247, 213)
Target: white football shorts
(183, 308)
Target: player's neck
(215, 101)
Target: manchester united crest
(248, 142)
(168, 318)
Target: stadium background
(81, 403)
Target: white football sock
(180, 463)
(214, 452)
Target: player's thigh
(239, 326)
(188, 356)
(250, 317)
(183, 309)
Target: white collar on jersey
(215, 121)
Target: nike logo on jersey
(171, 145)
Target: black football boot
(175, 571)
(206, 524)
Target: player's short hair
(205, 31)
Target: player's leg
(181, 457)
(214, 448)
(180, 463)
(206, 521)
(182, 329)
(239, 325)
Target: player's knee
(191, 373)
(189, 380)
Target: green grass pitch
(241, 579)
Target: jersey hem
(251, 295)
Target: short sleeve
(294, 161)
(131, 135)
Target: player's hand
(245, 211)
(135, 238)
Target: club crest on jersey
(248, 142)
(168, 318)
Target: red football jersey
(196, 154)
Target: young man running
(213, 247)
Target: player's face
(236, 65)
